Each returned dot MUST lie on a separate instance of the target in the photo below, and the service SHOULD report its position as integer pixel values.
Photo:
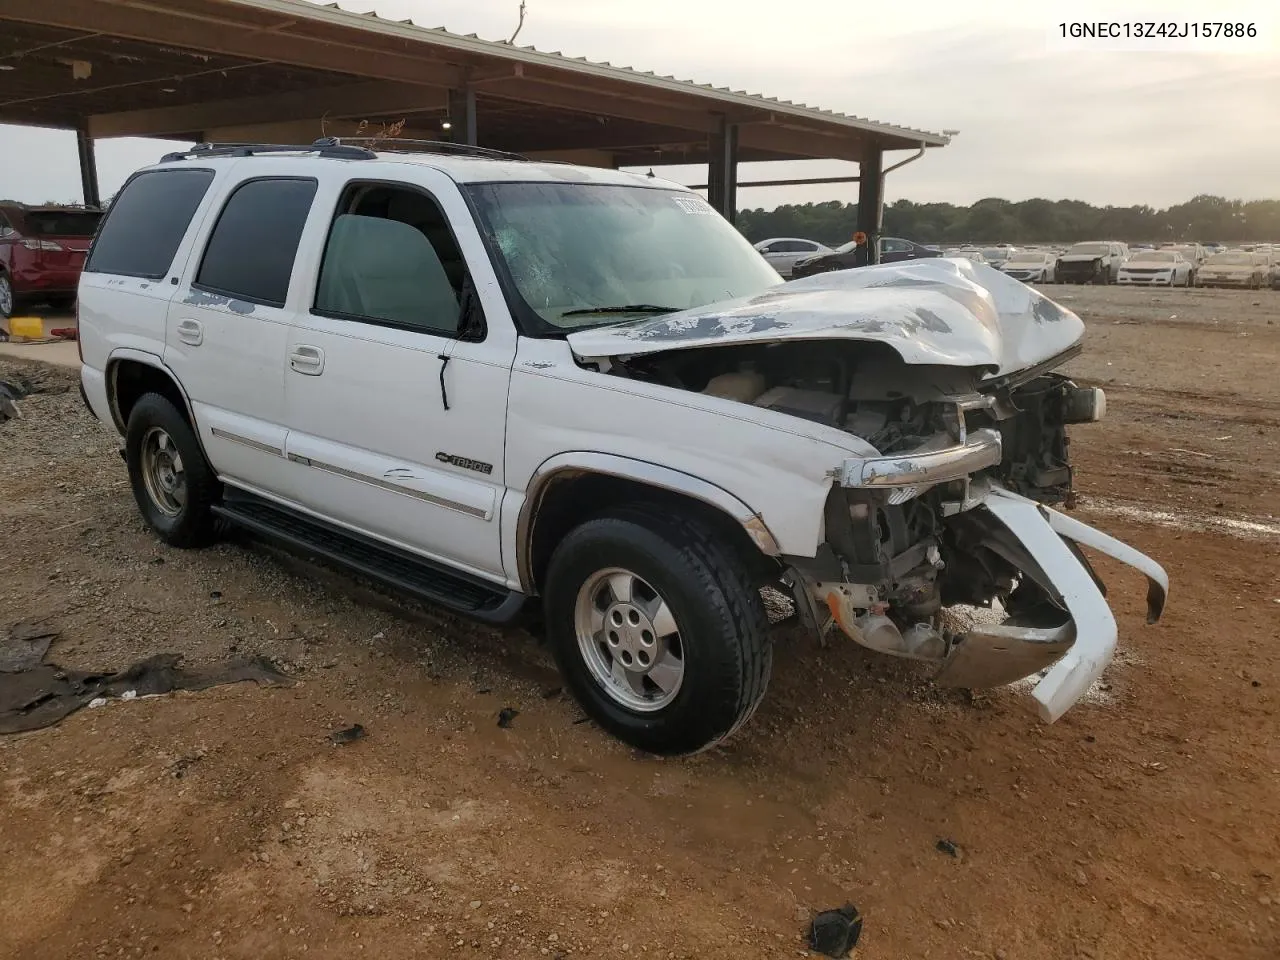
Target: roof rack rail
(344, 148)
(397, 144)
(325, 147)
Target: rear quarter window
(146, 223)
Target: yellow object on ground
(30, 327)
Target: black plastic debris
(552, 693)
(835, 932)
(506, 715)
(46, 693)
(581, 720)
(9, 396)
(348, 735)
(25, 646)
(949, 847)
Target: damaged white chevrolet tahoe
(481, 381)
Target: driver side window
(391, 259)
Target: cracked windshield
(589, 255)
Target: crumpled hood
(1081, 257)
(1228, 268)
(952, 312)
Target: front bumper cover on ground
(1074, 638)
(1044, 533)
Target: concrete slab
(62, 353)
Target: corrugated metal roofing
(335, 14)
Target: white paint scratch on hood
(952, 312)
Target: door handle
(191, 332)
(307, 360)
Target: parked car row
(1171, 264)
(794, 258)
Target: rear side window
(146, 223)
(62, 223)
(251, 250)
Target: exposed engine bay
(869, 391)
(893, 558)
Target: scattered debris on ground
(348, 734)
(25, 645)
(834, 933)
(42, 694)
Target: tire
(716, 629)
(6, 296)
(177, 509)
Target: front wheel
(172, 482)
(658, 630)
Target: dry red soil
(223, 824)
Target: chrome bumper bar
(980, 450)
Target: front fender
(641, 471)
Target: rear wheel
(659, 631)
(173, 484)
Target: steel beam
(462, 115)
(358, 101)
(722, 171)
(88, 169)
(871, 198)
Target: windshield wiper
(629, 308)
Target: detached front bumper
(1045, 534)
(1074, 637)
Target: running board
(397, 569)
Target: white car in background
(974, 255)
(1157, 268)
(1235, 268)
(1031, 266)
(998, 255)
(783, 253)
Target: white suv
(482, 380)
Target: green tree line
(1203, 218)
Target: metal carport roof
(239, 69)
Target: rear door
(398, 370)
(134, 265)
(229, 320)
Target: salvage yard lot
(1145, 824)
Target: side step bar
(403, 572)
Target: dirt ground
(223, 824)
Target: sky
(1035, 118)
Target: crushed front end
(961, 519)
(947, 373)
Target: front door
(395, 386)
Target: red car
(42, 251)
